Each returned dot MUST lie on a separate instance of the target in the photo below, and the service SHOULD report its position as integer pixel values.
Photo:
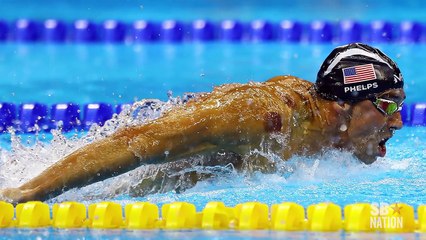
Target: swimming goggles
(386, 106)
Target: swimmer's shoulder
(290, 84)
(288, 80)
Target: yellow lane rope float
(287, 216)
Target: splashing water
(27, 159)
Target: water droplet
(370, 149)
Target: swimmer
(353, 106)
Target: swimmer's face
(369, 128)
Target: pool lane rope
(33, 117)
(286, 216)
(145, 31)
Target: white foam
(30, 155)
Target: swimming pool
(122, 73)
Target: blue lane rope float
(380, 31)
(410, 31)
(286, 216)
(96, 113)
(231, 31)
(7, 115)
(54, 31)
(25, 117)
(31, 115)
(290, 31)
(3, 30)
(320, 32)
(65, 115)
(172, 31)
(25, 31)
(143, 31)
(418, 114)
(68, 116)
(112, 31)
(349, 31)
(261, 31)
(84, 31)
(203, 31)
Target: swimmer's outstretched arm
(227, 121)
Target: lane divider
(286, 216)
(142, 31)
(32, 117)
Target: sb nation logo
(387, 216)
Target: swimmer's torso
(234, 117)
(278, 112)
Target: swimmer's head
(356, 72)
(367, 89)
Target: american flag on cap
(360, 73)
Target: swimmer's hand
(12, 195)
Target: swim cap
(356, 72)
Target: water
(128, 10)
(125, 73)
(193, 234)
(74, 73)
